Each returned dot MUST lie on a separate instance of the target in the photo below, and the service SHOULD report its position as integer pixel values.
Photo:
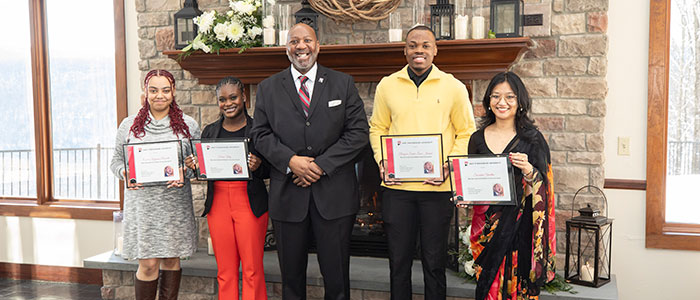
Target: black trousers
(332, 244)
(406, 214)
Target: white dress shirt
(311, 74)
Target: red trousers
(237, 236)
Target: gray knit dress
(158, 221)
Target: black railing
(683, 158)
(79, 173)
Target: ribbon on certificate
(200, 159)
(390, 156)
(132, 167)
(458, 179)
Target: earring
(489, 107)
(521, 109)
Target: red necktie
(304, 95)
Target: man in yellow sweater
(420, 99)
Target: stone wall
(564, 72)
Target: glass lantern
(461, 20)
(284, 23)
(442, 19)
(395, 31)
(478, 20)
(507, 18)
(588, 246)
(307, 15)
(185, 29)
(118, 229)
(268, 22)
(418, 12)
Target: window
(673, 126)
(60, 79)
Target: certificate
(412, 158)
(153, 163)
(482, 180)
(222, 159)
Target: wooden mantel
(465, 59)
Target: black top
(514, 233)
(225, 134)
(257, 192)
(418, 79)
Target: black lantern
(307, 15)
(185, 29)
(507, 18)
(442, 19)
(588, 246)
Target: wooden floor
(11, 289)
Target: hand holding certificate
(412, 158)
(482, 180)
(222, 159)
(149, 164)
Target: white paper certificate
(482, 180)
(222, 159)
(413, 158)
(153, 162)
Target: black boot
(169, 284)
(145, 290)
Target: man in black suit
(310, 123)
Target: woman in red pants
(237, 210)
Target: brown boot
(145, 290)
(169, 284)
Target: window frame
(45, 204)
(659, 233)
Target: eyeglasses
(509, 98)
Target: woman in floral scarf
(514, 246)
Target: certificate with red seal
(412, 158)
(482, 180)
(222, 159)
(155, 163)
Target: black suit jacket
(334, 134)
(257, 192)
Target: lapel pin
(320, 80)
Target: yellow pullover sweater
(440, 105)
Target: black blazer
(334, 134)
(257, 193)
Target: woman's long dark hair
(523, 123)
(177, 123)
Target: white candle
(269, 36)
(210, 248)
(395, 35)
(283, 37)
(461, 27)
(478, 24)
(587, 273)
(120, 246)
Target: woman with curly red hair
(159, 224)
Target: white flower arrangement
(238, 28)
(465, 253)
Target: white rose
(205, 21)
(234, 31)
(243, 8)
(249, 9)
(255, 31)
(469, 267)
(220, 31)
(268, 22)
(198, 44)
